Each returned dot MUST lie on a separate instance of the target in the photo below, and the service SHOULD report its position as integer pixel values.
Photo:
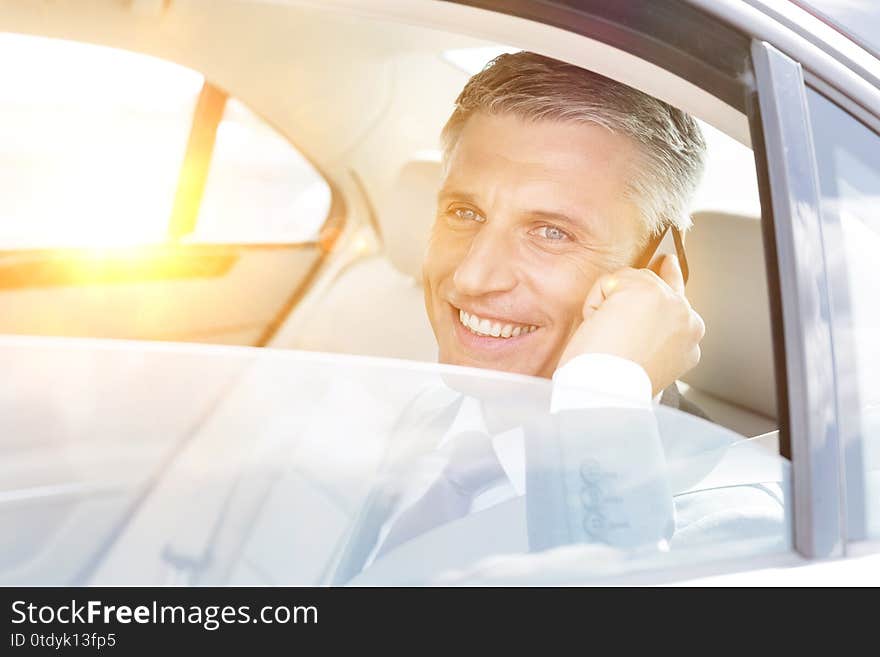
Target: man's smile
(493, 328)
(481, 338)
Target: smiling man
(555, 180)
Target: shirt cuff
(600, 381)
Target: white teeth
(494, 329)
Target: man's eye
(467, 214)
(552, 233)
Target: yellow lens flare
(114, 265)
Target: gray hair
(537, 88)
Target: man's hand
(643, 317)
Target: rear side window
(259, 188)
(95, 143)
(93, 140)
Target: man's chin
(496, 365)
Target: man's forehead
(538, 151)
(576, 172)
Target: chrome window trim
(842, 101)
(823, 34)
(806, 304)
(829, 64)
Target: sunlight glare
(92, 143)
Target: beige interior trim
(552, 42)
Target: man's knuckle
(694, 325)
(681, 308)
(699, 326)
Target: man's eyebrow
(451, 192)
(576, 221)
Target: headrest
(409, 213)
(728, 287)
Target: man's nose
(488, 265)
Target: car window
(138, 200)
(259, 188)
(848, 156)
(95, 140)
(196, 465)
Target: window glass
(259, 187)
(729, 183)
(91, 143)
(431, 474)
(848, 156)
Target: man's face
(529, 215)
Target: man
(555, 181)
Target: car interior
(361, 100)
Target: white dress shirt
(586, 381)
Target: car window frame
(804, 301)
(769, 84)
(848, 76)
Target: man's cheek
(570, 314)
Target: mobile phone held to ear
(659, 243)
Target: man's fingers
(670, 272)
(600, 291)
(608, 284)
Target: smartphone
(667, 242)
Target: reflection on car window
(848, 155)
(196, 465)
